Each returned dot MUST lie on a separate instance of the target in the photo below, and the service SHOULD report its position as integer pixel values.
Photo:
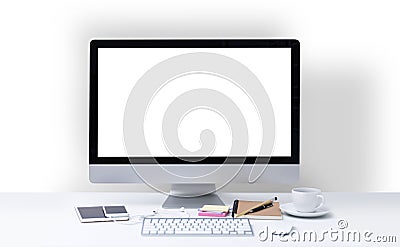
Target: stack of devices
(101, 213)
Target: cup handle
(322, 201)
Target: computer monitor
(194, 114)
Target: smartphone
(116, 212)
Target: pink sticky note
(212, 214)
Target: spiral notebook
(271, 213)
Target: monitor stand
(186, 195)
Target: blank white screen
(120, 68)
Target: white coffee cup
(307, 200)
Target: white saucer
(289, 209)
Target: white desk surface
(49, 219)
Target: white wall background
(350, 83)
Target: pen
(256, 206)
(260, 208)
(234, 208)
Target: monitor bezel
(198, 43)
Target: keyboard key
(217, 232)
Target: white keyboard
(196, 226)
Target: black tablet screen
(91, 212)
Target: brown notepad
(271, 213)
